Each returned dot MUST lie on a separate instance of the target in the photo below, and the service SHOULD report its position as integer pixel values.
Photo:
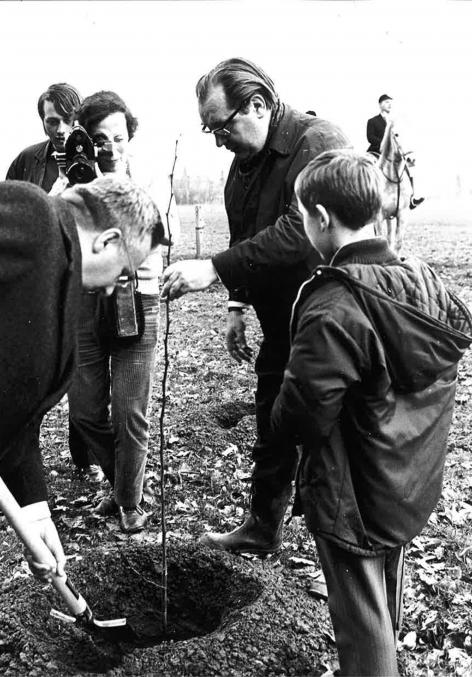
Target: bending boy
(369, 393)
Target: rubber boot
(252, 537)
(260, 534)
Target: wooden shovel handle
(38, 549)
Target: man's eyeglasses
(222, 129)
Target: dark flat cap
(385, 97)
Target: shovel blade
(112, 623)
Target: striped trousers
(365, 603)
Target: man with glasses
(51, 247)
(268, 259)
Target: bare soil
(227, 614)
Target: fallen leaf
(301, 562)
(318, 590)
(409, 641)
(232, 449)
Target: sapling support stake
(162, 413)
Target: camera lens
(80, 157)
(80, 171)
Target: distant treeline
(198, 189)
(206, 190)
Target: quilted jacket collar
(424, 328)
(373, 250)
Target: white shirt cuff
(36, 511)
(237, 304)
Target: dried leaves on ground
(210, 427)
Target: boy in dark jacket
(369, 394)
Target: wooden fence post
(199, 226)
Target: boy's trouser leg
(364, 599)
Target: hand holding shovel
(115, 630)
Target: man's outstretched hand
(184, 276)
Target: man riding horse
(396, 165)
(376, 133)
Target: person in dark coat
(268, 258)
(51, 247)
(376, 125)
(368, 392)
(36, 164)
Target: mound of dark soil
(228, 414)
(223, 618)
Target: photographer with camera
(38, 164)
(110, 393)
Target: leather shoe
(94, 473)
(106, 507)
(132, 520)
(253, 536)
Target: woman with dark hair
(97, 107)
(110, 394)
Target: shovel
(114, 630)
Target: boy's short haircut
(347, 183)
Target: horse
(398, 188)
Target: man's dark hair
(347, 183)
(240, 79)
(65, 98)
(100, 105)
